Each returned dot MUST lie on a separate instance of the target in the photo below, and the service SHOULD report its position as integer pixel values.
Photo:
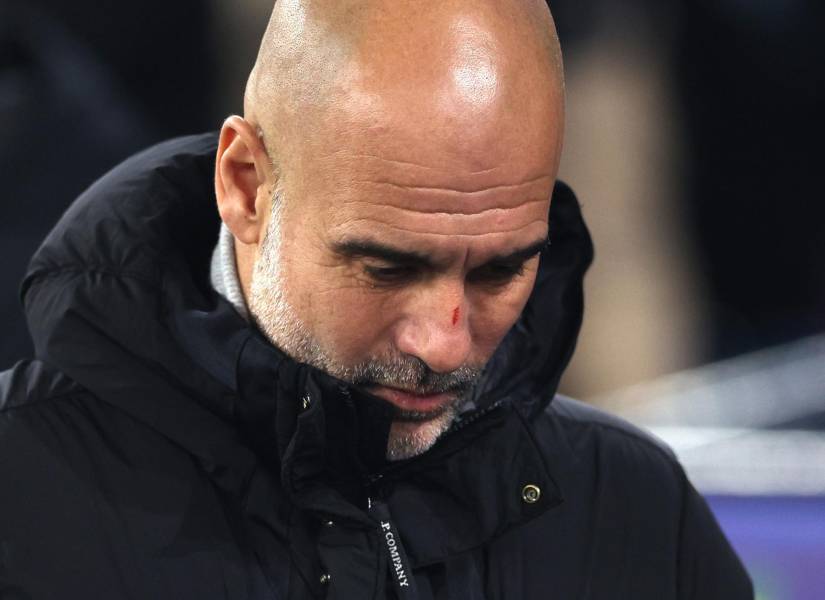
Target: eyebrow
(360, 248)
(522, 254)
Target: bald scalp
(319, 56)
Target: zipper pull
(399, 565)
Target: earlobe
(242, 174)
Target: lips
(411, 402)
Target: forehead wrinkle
(450, 213)
(453, 190)
(415, 165)
(423, 168)
(388, 225)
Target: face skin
(393, 242)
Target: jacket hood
(118, 297)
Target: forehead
(436, 210)
(419, 163)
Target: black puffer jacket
(159, 448)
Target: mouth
(413, 406)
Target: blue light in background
(781, 540)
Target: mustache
(412, 374)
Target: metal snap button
(329, 523)
(325, 578)
(531, 493)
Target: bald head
(356, 64)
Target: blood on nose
(456, 314)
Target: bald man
(344, 386)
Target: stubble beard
(411, 433)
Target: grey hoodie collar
(223, 272)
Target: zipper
(474, 417)
(399, 565)
(400, 570)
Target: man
(364, 408)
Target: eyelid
(387, 272)
(379, 264)
(387, 268)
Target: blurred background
(694, 144)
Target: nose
(436, 330)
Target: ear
(244, 178)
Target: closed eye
(385, 265)
(390, 274)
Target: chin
(411, 438)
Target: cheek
(347, 319)
(351, 323)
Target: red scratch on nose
(456, 314)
